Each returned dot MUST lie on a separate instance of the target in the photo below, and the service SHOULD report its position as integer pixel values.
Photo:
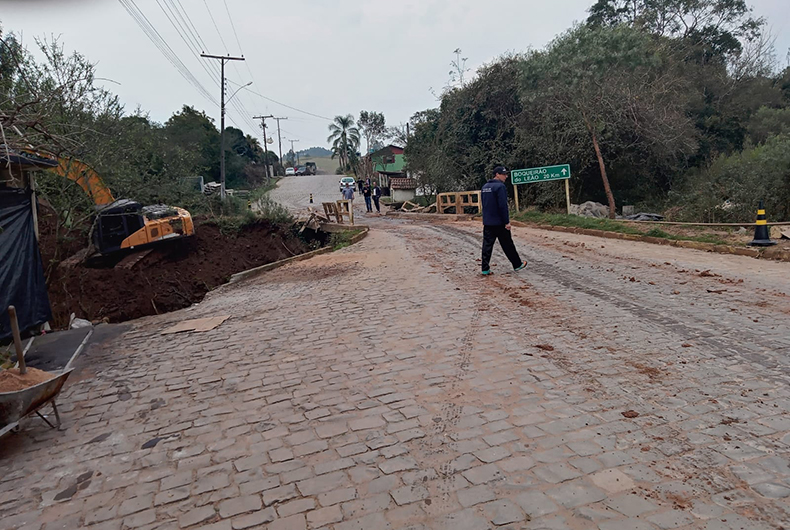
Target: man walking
(377, 196)
(496, 221)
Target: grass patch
(342, 239)
(610, 225)
(232, 224)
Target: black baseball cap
(501, 170)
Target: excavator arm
(87, 178)
(123, 224)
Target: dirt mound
(172, 276)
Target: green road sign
(539, 174)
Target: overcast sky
(325, 57)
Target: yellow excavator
(122, 224)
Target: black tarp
(21, 272)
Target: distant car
(290, 172)
(312, 169)
(301, 170)
(349, 180)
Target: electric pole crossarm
(224, 57)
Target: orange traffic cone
(761, 236)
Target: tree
(620, 86)
(717, 25)
(397, 134)
(191, 129)
(425, 159)
(344, 137)
(373, 126)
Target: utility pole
(265, 147)
(295, 153)
(280, 140)
(222, 59)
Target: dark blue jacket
(494, 199)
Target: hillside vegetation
(677, 106)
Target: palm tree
(345, 139)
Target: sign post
(542, 174)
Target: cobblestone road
(612, 385)
(294, 192)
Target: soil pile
(173, 275)
(11, 380)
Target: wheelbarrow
(15, 406)
(18, 404)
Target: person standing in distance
(377, 196)
(348, 194)
(366, 192)
(496, 221)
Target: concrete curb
(251, 273)
(772, 253)
(450, 217)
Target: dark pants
(367, 204)
(376, 202)
(490, 234)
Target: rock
(590, 209)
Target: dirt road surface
(611, 385)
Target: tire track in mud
(660, 318)
(690, 465)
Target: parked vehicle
(301, 170)
(349, 180)
(290, 172)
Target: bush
(273, 211)
(233, 224)
(233, 214)
(732, 187)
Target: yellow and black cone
(761, 236)
(311, 198)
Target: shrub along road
(611, 385)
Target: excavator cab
(126, 224)
(115, 223)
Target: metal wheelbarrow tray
(21, 403)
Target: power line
(191, 45)
(216, 27)
(287, 106)
(233, 26)
(192, 39)
(176, 23)
(243, 112)
(197, 33)
(164, 48)
(156, 37)
(238, 42)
